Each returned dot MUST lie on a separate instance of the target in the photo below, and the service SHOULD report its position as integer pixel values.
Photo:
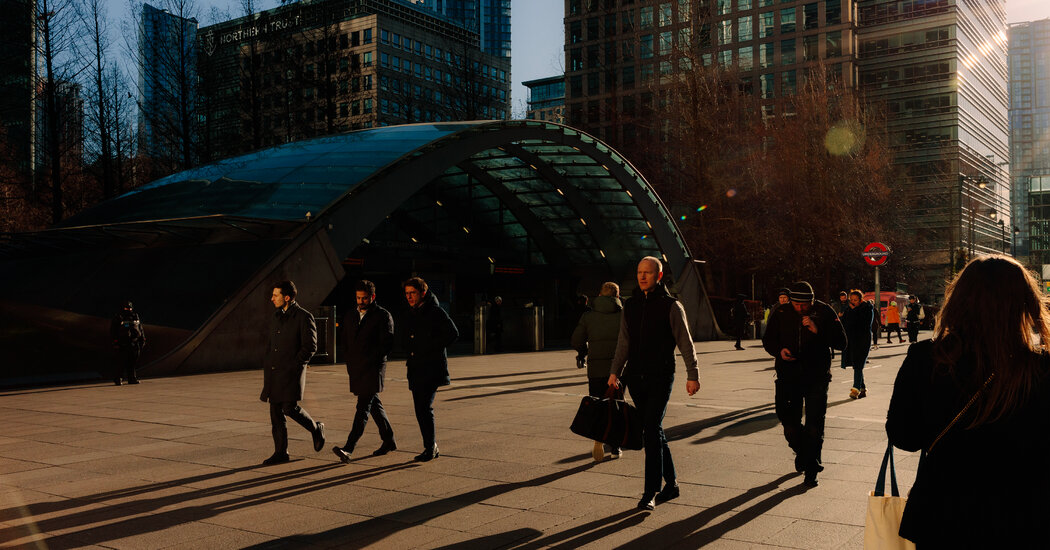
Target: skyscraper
(17, 81)
(1030, 139)
(167, 88)
(489, 18)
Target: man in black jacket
(368, 336)
(128, 338)
(914, 317)
(427, 331)
(653, 323)
(800, 336)
(292, 342)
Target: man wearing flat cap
(801, 336)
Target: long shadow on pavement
(512, 382)
(743, 422)
(690, 532)
(128, 527)
(580, 382)
(507, 375)
(350, 536)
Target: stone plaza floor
(174, 463)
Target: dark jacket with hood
(427, 330)
(856, 321)
(292, 342)
(366, 343)
(812, 352)
(595, 335)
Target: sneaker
(428, 454)
(276, 458)
(670, 491)
(615, 452)
(854, 393)
(648, 502)
(598, 452)
(343, 454)
(385, 448)
(863, 393)
(319, 437)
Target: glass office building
(546, 99)
(167, 88)
(489, 18)
(1030, 139)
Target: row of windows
(421, 71)
(351, 85)
(912, 74)
(905, 42)
(309, 116)
(885, 12)
(437, 54)
(418, 114)
(422, 92)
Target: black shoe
(319, 437)
(385, 448)
(133, 381)
(800, 464)
(738, 347)
(343, 454)
(648, 502)
(810, 479)
(116, 381)
(276, 458)
(428, 454)
(669, 492)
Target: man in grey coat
(595, 342)
(292, 342)
(368, 337)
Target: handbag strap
(962, 412)
(880, 483)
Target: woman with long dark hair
(976, 398)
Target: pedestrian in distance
(893, 322)
(494, 325)
(801, 336)
(427, 332)
(594, 340)
(739, 318)
(368, 337)
(857, 323)
(652, 325)
(914, 317)
(292, 342)
(129, 338)
(976, 399)
(843, 304)
(876, 325)
(783, 297)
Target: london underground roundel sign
(876, 254)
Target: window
(665, 14)
(765, 55)
(787, 20)
(344, 41)
(665, 43)
(366, 82)
(809, 47)
(627, 49)
(788, 83)
(384, 36)
(628, 77)
(787, 52)
(765, 24)
(592, 28)
(725, 32)
(576, 60)
(724, 7)
(684, 11)
(610, 25)
(746, 58)
(809, 16)
(593, 85)
(344, 109)
(647, 72)
(384, 60)
(646, 46)
(368, 106)
(627, 21)
(576, 86)
(832, 12)
(395, 40)
(366, 36)
(766, 86)
(725, 58)
(833, 43)
(743, 29)
(366, 59)
(645, 18)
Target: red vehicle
(884, 301)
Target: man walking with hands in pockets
(653, 323)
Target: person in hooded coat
(856, 321)
(595, 341)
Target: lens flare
(844, 138)
(731, 193)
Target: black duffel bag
(610, 420)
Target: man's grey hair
(609, 289)
(655, 260)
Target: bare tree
(101, 124)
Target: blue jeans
(858, 377)
(650, 395)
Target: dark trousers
(890, 327)
(423, 400)
(128, 361)
(740, 331)
(369, 403)
(793, 394)
(292, 410)
(650, 395)
(913, 332)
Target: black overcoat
(292, 342)
(366, 343)
(426, 331)
(812, 352)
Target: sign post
(876, 254)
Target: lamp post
(1002, 229)
(1013, 241)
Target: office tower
(489, 18)
(546, 99)
(1030, 139)
(17, 83)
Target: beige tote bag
(885, 512)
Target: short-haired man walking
(653, 323)
(292, 342)
(800, 336)
(368, 337)
(914, 316)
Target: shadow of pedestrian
(740, 423)
(692, 533)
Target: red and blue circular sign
(876, 254)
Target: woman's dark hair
(994, 314)
(287, 288)
(417, 283)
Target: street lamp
(1013, 241)
(1002, 228)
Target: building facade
(489, 18)
(940, 69)
(167, 87)
(1030, 139)
(305, 70)
(546, 99)
(17, 82)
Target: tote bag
(610, 420)
(883, 521)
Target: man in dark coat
(427, 331)
(652, 325)
(292, 342)
(128, 339)
(594, 340)
(739, 319)
(914, 317)
(368, 336)
(801, 336)
(856, 321)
